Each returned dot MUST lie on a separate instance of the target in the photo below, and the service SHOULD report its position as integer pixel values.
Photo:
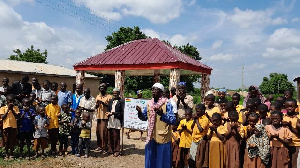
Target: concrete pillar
(119, 81)
(174, 78)
(156, 77)
(80, 77)
(205, 81)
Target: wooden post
(205, 81)
(119, 81)
(174, 78)
(156, 77)
(80, 77)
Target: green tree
(276, 84)
(30, 55)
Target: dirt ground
(132, 157)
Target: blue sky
(262, 35)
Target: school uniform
(185, 141)
(175, 149)
(52, 111)
(216, 148)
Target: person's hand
(252, 145)
(275, 136)
(213, 128)
(139, 109)
(183, 127)
(10, 106)
(159, 111)
(108, 114)
(46, 125)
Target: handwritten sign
(131, 119)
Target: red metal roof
(142, 55)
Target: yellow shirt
(10, 120)
(238, 109)
(221, 130)
(185, 137)
(295, 138)
(210, 112)
(197, 135)
(52, 111)
(101, 110)
(176, 135)
(240, 129)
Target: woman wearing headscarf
(253, 93)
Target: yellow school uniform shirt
(176, 135)
(241, 129)
(10, 120)
(52, 111)
(185, 137)
(238, 108)
(204, 123)
(295, 138)
(210, 112)
(221, 130)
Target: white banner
(131, 119)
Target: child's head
(216, 119)
(26, 104)
(10, 99)
(222, 104)
(200, 109)
(54, 99)
(229, 106)
(32, 96)
(86, 116)
(250, 105)
(281, 101)
(276, 117)
(253, 119)
(79, 89)
(210, 100)
(65, 108)
(290, 105)
(63, 86)
(263, 110)
(275, 106)
(270, 98)
(288, 93)
(188, 113)
(41, 110)
(257, 102)
(46, 84)
(233, 116)
(236, 98)
(77, 113)
(54, 86)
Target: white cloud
(17, 2)
(221, 57)
(255, 66)
(62, 44)
(249, 18)
(295, 20)
(284, 54)
(157, 11)
(285, 37)
(151, 33)
(217, 44)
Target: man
(115, 112)
(166, 94)
(5, 85)
(160, 116)
(87, 103)
(64, 96)
(182, 100)
(102, 100)
(222, 94)
(46, 93)
(22, 88)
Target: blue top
(26, 123)
(64, 97)
(168, 118)
(75, 103)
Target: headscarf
(181, 84)
(262, 148)
(259, 94)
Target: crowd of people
(41, 115)
(215, 133)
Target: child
(280, 137)
(85, 134)
(41, 122)
(275, 106)
(263, 114)
(229, 106)
(251, 108)
(291, 120)
(269, 100)
(33, 99)
(258, 148)
(64, 129)
(211, 107)
(199, 127)
(53, 112)
(26, 126)
(222, 94)
(222, 105)
(185, 131)
(281, 101)
(75, 131)
(9, 116)
(235, 133)
(216, 135)
(175, 146)
(236, 101)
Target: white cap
(159, 86)
(116, 90)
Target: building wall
(92, 83)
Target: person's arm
(169, 117)
(220, 136)
(284, 140)
(23, 114)
(293, 130)
(237, 134)
(229, 131)
(210, 133)
(88, 125)
(142, 114)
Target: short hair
(10, 97)
(254, 115)
(292, 100)
(236, 95)
(250, 101)
(276, 112)
(233, 114)
(277, 105)
(210, 96)
(86, 114)
(200, 106)
(289, 91)
(189, 110)
(64, 105)
(222, 101)
(262, 107)
(257, 100)
(229, 104)
(216, 116)
(25, 99)
(46, 81)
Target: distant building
(15, 70)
